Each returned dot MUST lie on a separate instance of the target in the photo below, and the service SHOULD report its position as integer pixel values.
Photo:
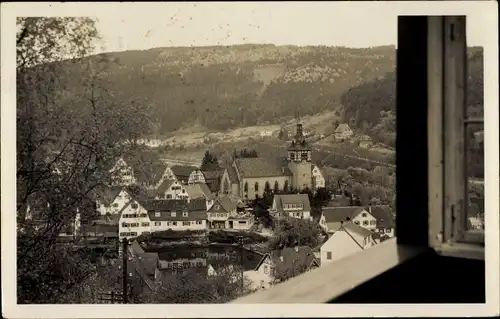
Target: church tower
(299, 157)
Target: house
(111, 200)
(385, 221)
(332, 218)
(143, 265)
(177, 214)
(318, 178)
(182, 173)
(213, 179)
(134, 220)
(224, 214)
(94, 229)
(365, 141)
(349, 239)
(122, 174)
(266, 133)
(250, 177)
(196, 177)
(343, 132)
(288, 262)
(199, 191)
(171, 189)
(291, 205)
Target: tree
(245, 153)
(66, 144)
(210, 162)
(196, 286)
(291, 232)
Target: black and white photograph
(192, 159)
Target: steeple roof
(299, 142)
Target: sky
(170, 24)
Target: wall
(260, 275)
(140, 220)
(262, 183)
(176, 194)
(341, 245)
(302, 174)
(372, 222)
(165, 225)
(196, 177)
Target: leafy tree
(245, 153)
(291, 231)
(192, 286)
(210, 162)
(64, 152)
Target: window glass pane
(475, 139)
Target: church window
(292, 156)
(304, 156)
(246, 187)
(256, 186)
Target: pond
(203, 257)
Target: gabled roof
(196, 209)
(164, 186)
(262, 167)
(196, 191)
(182, 172)
(108, 195)
(233, 176)
(342, 128)
(352, 228)
(340, 214)
(292, 199)
(291, 256)
(383, 215)
(225, 203)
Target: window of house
(174, 223)
(184, 214)
(169, 196)
(145, 224)
(115, 205)
(134, 206)
(183, 191)
(173, 214)
(157, 223)
(133, 234)
(329, 255)
(365, 222)
(356, 222)
(363, 215)
(186, 223)
(242, 222)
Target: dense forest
(219, 88)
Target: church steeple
(299, 150)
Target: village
(184, 204)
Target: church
(247, 178)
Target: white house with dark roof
(249, 177)
(196, 177)
(385, 225)
(134, 220)
(223, 214)
(171, 189)
(346, 241)
(112, 200)
(289, 260)
(177, 214)
(332, 217)
(291, 205)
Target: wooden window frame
(447, 118)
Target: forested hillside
(217, 88)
